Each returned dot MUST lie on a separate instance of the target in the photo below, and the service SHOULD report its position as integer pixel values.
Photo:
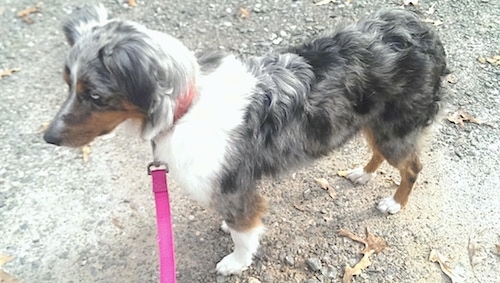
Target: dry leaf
(494, 60)
(43, 127)
(323, 183)
(498, 248)
(117, 222)
(4, 276)
(481, 60)
(24, 14)
(244, 13)
(132, 3)
(411, 2)
(324, 2)
(433, 22)
(342, 173)
(431, 9)
(450, 78)
(299, 208)
(372, 242)
(460, 116)
(435, 256)
(8, 72)
(358, 268)
(86, 153)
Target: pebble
(290, 260)
(253, 280)
(277, 41)
(330, 272)
(314, 263)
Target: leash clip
(157, 165)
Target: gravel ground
(67, 221)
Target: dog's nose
(52, 138)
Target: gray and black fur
(382, 74)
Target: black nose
(52, 138)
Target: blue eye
(95, 96)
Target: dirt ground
(64, 220)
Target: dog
(221, 123)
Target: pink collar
(165, 237)
(183, 103)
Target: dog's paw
(232, 264)
(224, 227)
(359, 176)
(389, 205)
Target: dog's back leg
(362, 175)
(402, 153)
(242, 213)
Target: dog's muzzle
(52, 137)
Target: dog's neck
(183, 103)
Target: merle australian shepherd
(221, 123)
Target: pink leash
(158, 172)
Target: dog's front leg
(242, 212)
(246, 244)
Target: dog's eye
(95, 96)
(96, 99)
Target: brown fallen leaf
(25, 14)
(450, 78)
(85, 153)
(472, 249)
(431, 9)
(411, 2)
(323, 183)
(117, 222)
(324, 2)
(4, 276)
(433, 22)
(132, 3)
(358, 268)
(444, 264)
(8, 72)
(342, 173)
(494, 60)
(371, 241)
(460, 116)
(244, 13)
(497, 246)
(43, 127)
(299, 207)
(373, 244)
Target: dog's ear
(83, 19)
(131, 70)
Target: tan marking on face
(98, 123)
(80, 87)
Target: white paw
(224, 227)
(389, 205)
(232, 264)
(359, 176)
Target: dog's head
(118, 70)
